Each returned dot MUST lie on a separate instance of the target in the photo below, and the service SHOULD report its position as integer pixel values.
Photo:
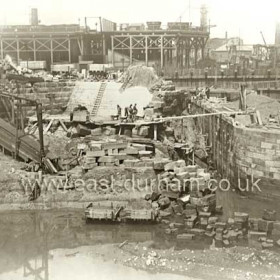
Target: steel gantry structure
(183, 47)
(40, 43)
(72, 44)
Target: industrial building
(179, 43)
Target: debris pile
(267, 107)
(163, 85)
(196, 215)
(91, 153)
(139, 76)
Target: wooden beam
(49, 125)
(201, 115)
(155, 132)
(63, 125)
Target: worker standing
(126, 112)
(135, 112)
(130, 111)
(119, 110)
(207, 91)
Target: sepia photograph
(139, 140)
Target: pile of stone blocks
(116, 153)
(264, 232)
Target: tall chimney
(277, 34)
(34, 17)
(203, 17)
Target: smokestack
(34, 17)
(203, 17)
(277, 34)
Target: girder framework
(184, 49)
(34, 45)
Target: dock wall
(241, 153)
(54, 96)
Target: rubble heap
(139, 75)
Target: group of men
(130, 113)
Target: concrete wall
(243, 153)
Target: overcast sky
(239, 17)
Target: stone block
(204, 214)
(155, 196)
(95, 146)
(212, 220)
(180, 163)
(190, 211)
(96, 131)
(209, 199)
(131, 151)
(169, 166)
(129, 163)
(89, 165)
(265, 226)
(110, 131)
(127, 132)
(112, 152)
(220, 225)
(177, 208)
(240, 225)
(160, 163)
(171, 195)
(148, 162)
(145, 153)
(269, 215)
(163, 202)
(110, 163)
(185, 236)
(253, 224)
(164, 214)
(190, 221)
(191, 169)
(114, 145)
(107, 159)
(122, 157)
(197, 231)
(143, 131)
(90, 160)
(230, 221)
(149, 112)
(183, 176)
(266, 245)
(95, 153)
(219, 209)
(226, 242)
(139, 147)
(241, 217)
(176, 225)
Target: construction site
(138, 150)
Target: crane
(263, 39)
(267, 55)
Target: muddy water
(48, 244)
(35, 245)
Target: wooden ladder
(98, 99)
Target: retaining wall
(241, 153)
(54, 96)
